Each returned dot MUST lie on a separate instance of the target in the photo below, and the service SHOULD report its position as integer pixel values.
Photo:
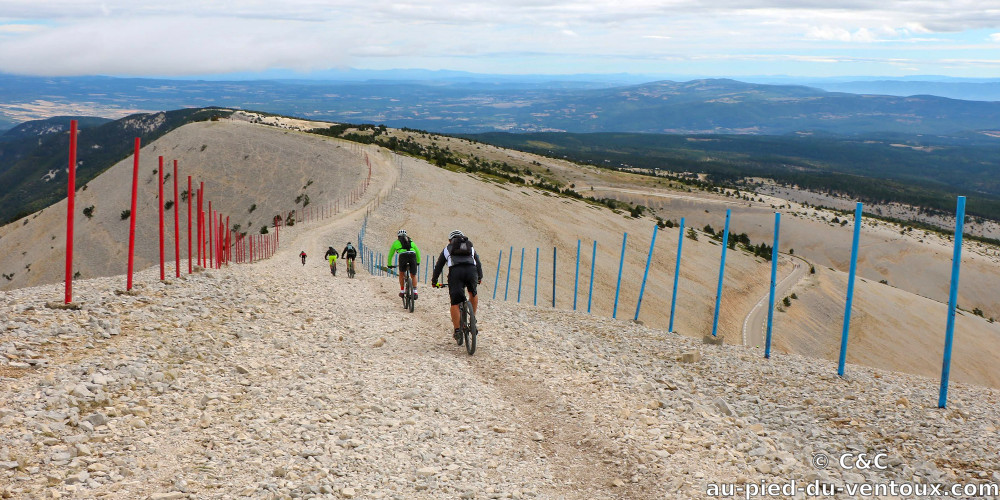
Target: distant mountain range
(459, 103)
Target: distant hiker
(465, 271)
(409, 259)
(303, 255)
(331, 257)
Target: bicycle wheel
(409, 293)
(469, 328)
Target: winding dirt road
(755, 324)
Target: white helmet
(401, 232)
(454, 234)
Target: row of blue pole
(376, 266)
(952, 297)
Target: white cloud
(178, 37)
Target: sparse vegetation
(89, 212)
(691, 234)
(787, 302)
(252, 208)
(126, 214)
(168, 205)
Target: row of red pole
(214, 249)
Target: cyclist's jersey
(330, 251)
(349, 252)
(397, 247)
(457, 260)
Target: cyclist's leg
(456, 291)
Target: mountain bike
(350, 268)
(408, 300)
(466, 324)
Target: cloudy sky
(682, 37)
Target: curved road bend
(755, 324)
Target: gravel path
(277, 380)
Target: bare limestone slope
(277, 380)
(243, 167)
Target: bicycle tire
(469, 328)
(408, 301)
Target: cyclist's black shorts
(461, 278)
(407, 261)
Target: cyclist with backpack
(331, 257)
(465, 272)
(349, 254)
(409, 259)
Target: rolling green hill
(922, 171)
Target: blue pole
(520, 274)
(618, 287)
(774, 275)
(536, 274)
(553, 276)
(507, 284)
(677, 275)
(850, 290)
(722, 272)
(956, 264)
(576, 277)
(649, 259)
(496, 281)
(590, 294)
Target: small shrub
(786, 301)
(263, 230)
(794, 297)
(204, 147)
(168, 205)
(77, 275)
(691, 234)
(252, 208)
(126, 214)
(977, 311)
(812, 269)
(884, 282)
(89, 212)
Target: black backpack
(405, 242)
(461, 246)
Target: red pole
(70, 204)
(177, 226)
(159, 173)
(251, 248)
(211, 240)
(228, 242)
(190, 195)
(201, 222)
(132, 214)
